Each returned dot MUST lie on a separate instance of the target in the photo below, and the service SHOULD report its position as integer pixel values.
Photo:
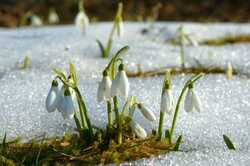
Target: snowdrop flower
(146, 113)
(138, 130)
(192, 100)
(52, 98)
(167, 101)
(82, 21)
(67, 105)
(103, 92)
(120, 85)
(53, 17)
(36, 21)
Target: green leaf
(228, 142)
(73, 73)
(167, 134)
(3, 145)
(177, 144)
(59, 73)
(25, 63)
(111, 68)
(101, 48)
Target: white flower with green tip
(167, 101)
(104, 88)
(120, 85)
(149, 115)
(192, 101)
(52, 98)
(67, 105)
(138, 130)
(82, 21)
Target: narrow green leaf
(228, 142)
(177, 144)
(59, 73)
(111, 68)
(73, 73)
(3, 145)
(25, 63)
(101, 47)
(167, 134)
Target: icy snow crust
(226, 104)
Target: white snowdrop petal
(147, 113)
(68, 107)
(138, 130)
(196, 101)
(115, 86)
(82, 21)
(60, 99)
(51, 100)
(188, 104)
(167, 101)
(107, 87)
(123, 85)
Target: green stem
(109, 109)
(182, 59)
(83, 112)
(162, 114)
(191, 81)
(118, 121)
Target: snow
(225, 104)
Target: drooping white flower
(104, 88)
(53, 17)
(82, 21)
(120, 85)
(52, 98)
(167, 101)
(192, 101)
(60, 99)
(146, 112)
(36, 21)
(67, 105)
(138, 130)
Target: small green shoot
(177, 144)
(25, 64)
(228, 142)
(105, 51)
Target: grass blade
(178, 142)
(228, 142)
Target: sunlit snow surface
(225, 104)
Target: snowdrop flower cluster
(61, 100)
(191, 102)
(53, 17)
(81, 19)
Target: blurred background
(11, 11)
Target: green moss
(70, 150)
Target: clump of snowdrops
(114, 89)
